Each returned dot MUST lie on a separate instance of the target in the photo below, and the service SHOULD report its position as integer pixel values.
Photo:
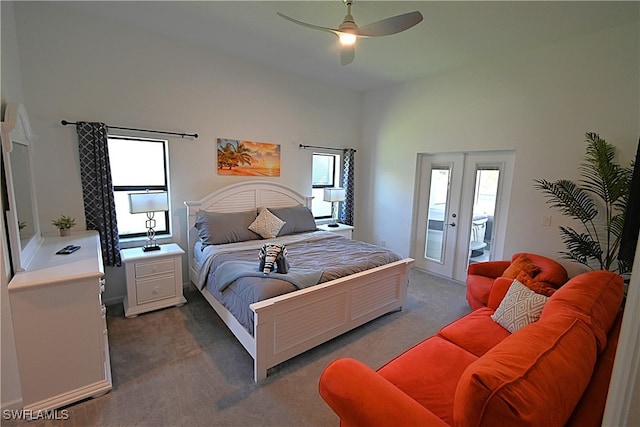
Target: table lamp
(333, 195)
(149, 203)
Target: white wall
(11, 89)
(539, 103)
(78, 67)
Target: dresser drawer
(156, 288)
(155, 267)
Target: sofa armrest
(361, 397)
(491, 269)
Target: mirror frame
(16, 129)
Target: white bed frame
(290, 324)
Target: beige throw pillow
(266, 224)
(520, 307)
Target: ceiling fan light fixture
(347, 39)
(348, 31)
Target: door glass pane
(484, 206)
(438, 196)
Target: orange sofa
(552, 372)
(481, 275)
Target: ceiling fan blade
(391, 25)
(347, 53)
(304, 24)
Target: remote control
(69, 249)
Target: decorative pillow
(520, 307)
(298, 219)
(218, 228)
(266, 224)
(536, 286)
(522, 263)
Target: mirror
(22, 213)
(22, 190)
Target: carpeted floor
(181, 366)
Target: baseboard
(13, 405)
(114, 300)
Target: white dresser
(154, 279)
(60, 324)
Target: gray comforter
(329, 254)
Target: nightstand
(345, 230)
(154, 279)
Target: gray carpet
(181, 366)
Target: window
(325, 173)
(138, 165)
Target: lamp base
(333, 225)
(151, 248)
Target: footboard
(291, 324)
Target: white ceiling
(453, 33)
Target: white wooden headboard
(241, 197)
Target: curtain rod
(194, 135)
(324, 148)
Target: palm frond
(616, 225)
(570, 199)
(601, 174)
(581, 247)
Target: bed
(290, 323)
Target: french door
(461, 210)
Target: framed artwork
(248, 158)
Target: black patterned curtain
(348, 182)
(97, 189)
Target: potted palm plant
(64, 224)
(598, 201)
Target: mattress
(329, 253)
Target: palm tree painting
(248, 158)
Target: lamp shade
(335, 194)
(148, 202)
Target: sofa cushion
(490, 269)
(520, 263)
(520, 307)
(598, 294)
(532, 378)
(551, 271)
(499, 289)
(590, 409)
(476, 332)
(478, 289)
(429, 373)
(535, 285)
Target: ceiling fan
(348, 32)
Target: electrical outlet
(546, 220)
(383, 243)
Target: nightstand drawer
(156, 288)
(156, 267)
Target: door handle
(453, 224)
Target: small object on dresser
(69, 249)
(64, 224)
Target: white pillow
(520, 307)
(266, 224)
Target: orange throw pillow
(522, 263)
(537, 287)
